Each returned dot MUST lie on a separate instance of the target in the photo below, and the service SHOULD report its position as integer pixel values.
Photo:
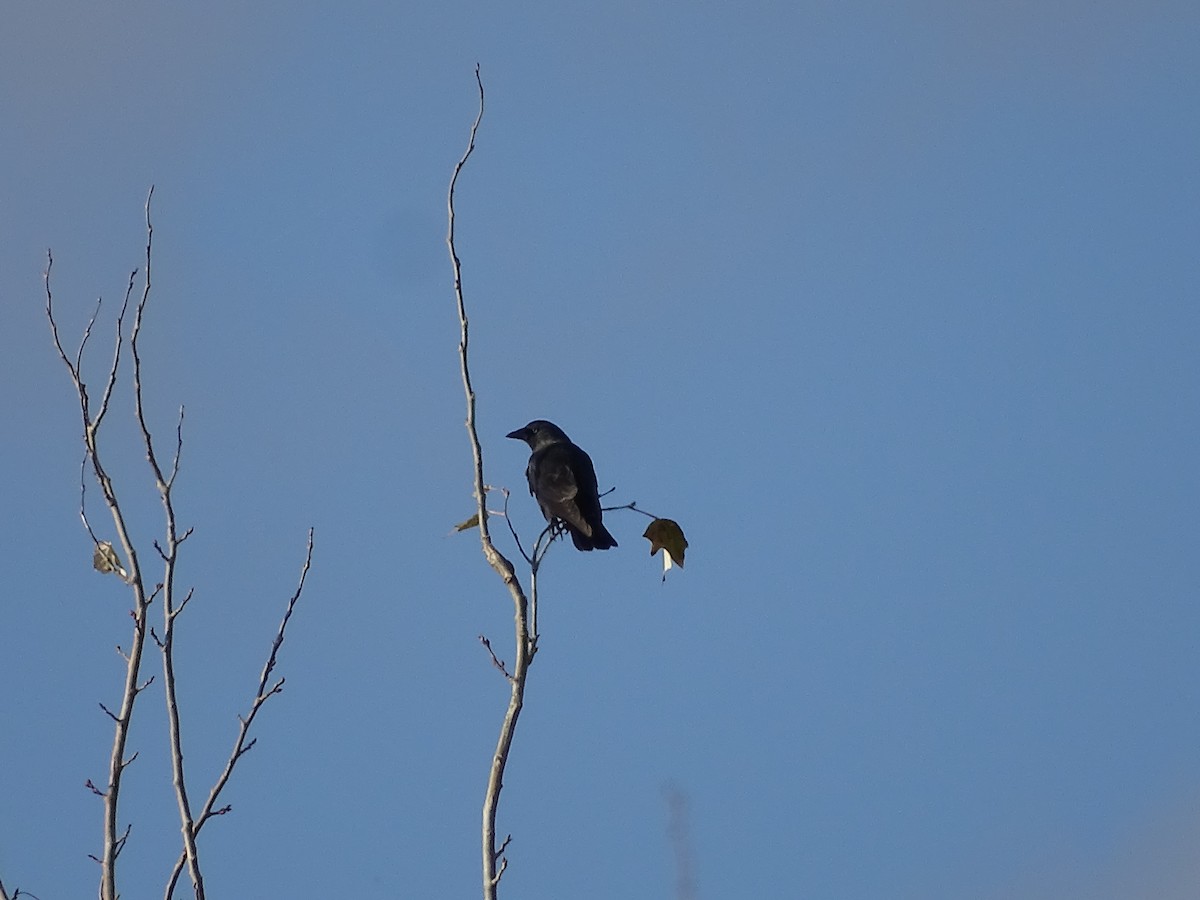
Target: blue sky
(892, 306)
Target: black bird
(563, 481)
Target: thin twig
(120, 342)
(513, 531)
(633, 506)
(465, 331)
(496, 661)
(178, 453)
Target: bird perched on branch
(563, 481)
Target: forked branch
(107, 559)
(91, 420)
(243, 743)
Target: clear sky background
(896, 307)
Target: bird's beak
(520, 434)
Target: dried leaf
(105, 559)
(666, 535)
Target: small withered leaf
(105, 559)
(470, 523)
(666, 535)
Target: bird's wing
(587, 497)
(556, 488)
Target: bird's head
(539, 433)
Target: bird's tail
(599, 539)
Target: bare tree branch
(169, 557)
(526, 645)
(106, 559)
(241, 746)
(112, 843)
